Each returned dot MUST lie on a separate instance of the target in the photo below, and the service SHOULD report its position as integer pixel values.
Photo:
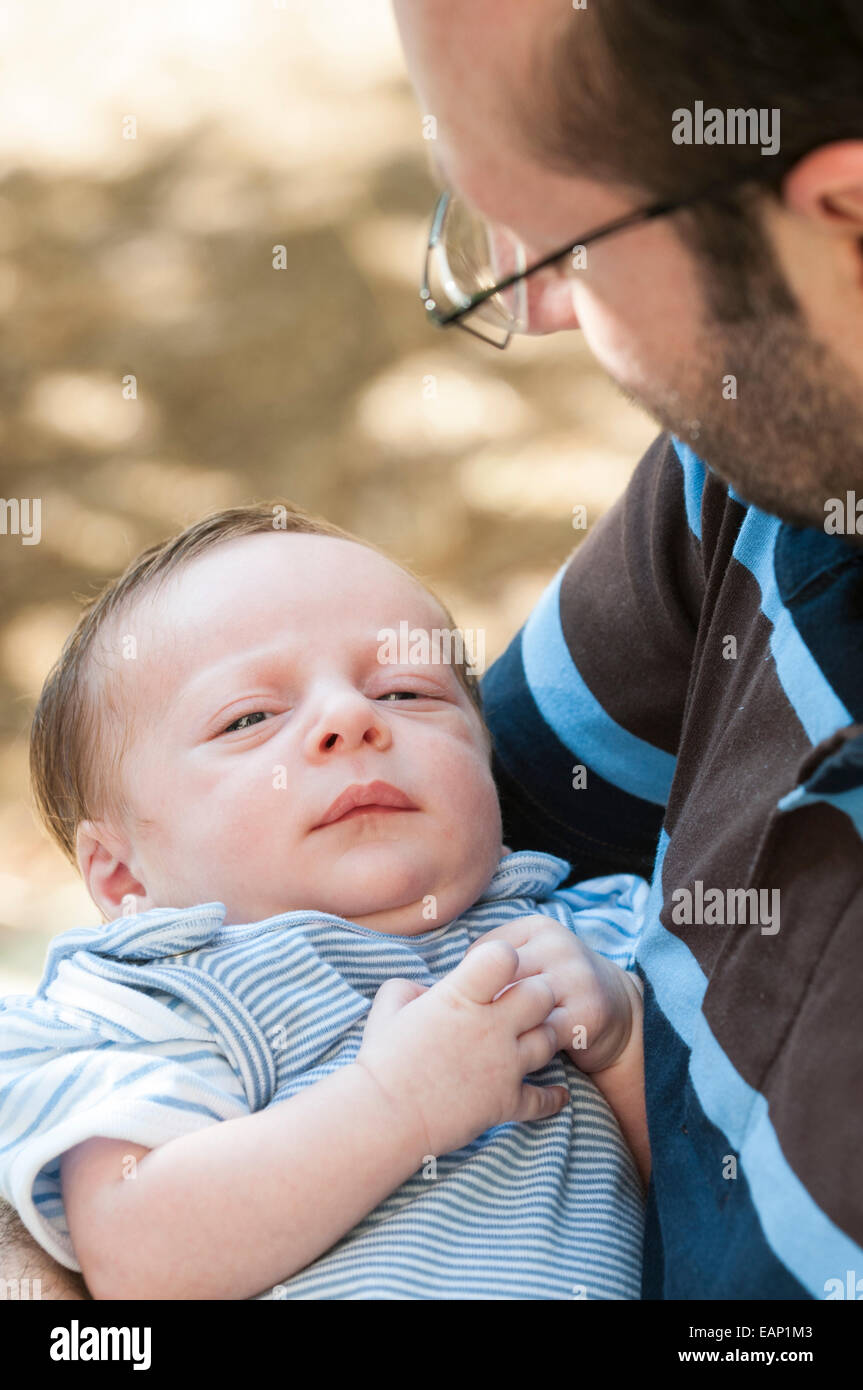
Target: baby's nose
(373, 734)
(345, 724)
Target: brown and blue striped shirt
(702, 661)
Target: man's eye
(254, 718)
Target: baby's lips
(366, 794)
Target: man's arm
(22, 1258)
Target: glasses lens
(470, 256)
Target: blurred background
(252, 125)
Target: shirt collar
(162, 932)
(525, 873)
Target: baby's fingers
(517, 932)
(390, 1000)
(527, 1003)
(538, 1102)
(537, 1047)
(482, 974)
(567, 1036)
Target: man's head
(218, 698)
(737, 323)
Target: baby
(292, 1062)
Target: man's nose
(551, 300)
(345, 723)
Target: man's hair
(617, 71)
(81, 728)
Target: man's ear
(827, 186)
(102, 858)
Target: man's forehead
(493, 106)
(482, 62)
(463, 32)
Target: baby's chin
(388, 887)
(391, 888)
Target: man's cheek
(607, 326)
(634, 356)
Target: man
(687, 699)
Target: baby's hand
(593, 1017)
(456, 1054)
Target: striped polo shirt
(159, 1024)
(686, 702)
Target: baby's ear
(101, 854)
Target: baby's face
(258, 701)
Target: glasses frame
(618, 224)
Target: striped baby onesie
(156, 1025)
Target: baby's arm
(227, 1211)
(598, 1017)
(233, 1208)
(622, 1083)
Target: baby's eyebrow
(264, 663)
(234, 667)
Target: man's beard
(793, 436)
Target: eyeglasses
(478, 269)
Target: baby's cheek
(465, 779)
(480, 816)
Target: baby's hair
(74, 775)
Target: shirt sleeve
(118, 1064)
(586, 705)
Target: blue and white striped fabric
(157, 1025)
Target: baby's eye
(254, 717)
(400, 694)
